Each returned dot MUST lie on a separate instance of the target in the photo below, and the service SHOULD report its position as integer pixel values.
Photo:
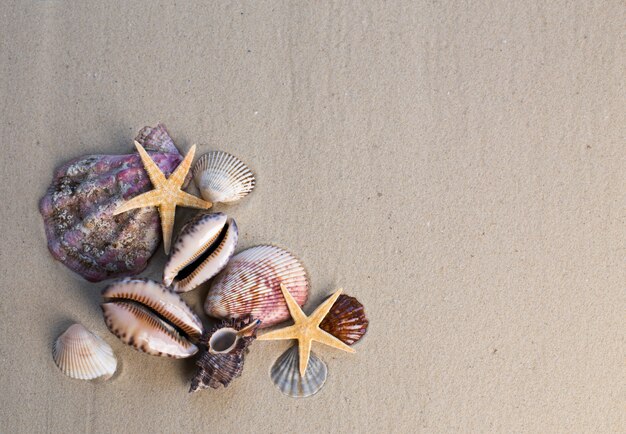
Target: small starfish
(306, 329)
(167, 193)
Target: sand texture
(460, 167)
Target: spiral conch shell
(250, 285)
(223, 359)
(150, 318)
(82, 355)
(222, 177)
(202, 248)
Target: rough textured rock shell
(82, 355)
(216, 369)
(285, 374)
(78, 210)
(250, 285)
(346, 320)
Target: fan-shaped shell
(222, 177)
(286, 376)
(201, 250)
(346, 320)
(138, 327)
(82, 355)
(158, 298)
(222, 361)
(250, 285)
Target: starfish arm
(167, 213)
(190, 201)
(304, 351)
(178, 177)
(279, 335)
(327, 339)
(292, 304)
(154, 173)
(151, 198)
(322, 310)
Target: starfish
(306, 329)
(167, 193)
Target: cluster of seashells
(244, 296)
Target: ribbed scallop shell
(204, 245)
(286, 376)
(82, 355)
(346, 320)
(250, 285)
(216, 368)
(222, 177)
(159, 299)
(136, 326)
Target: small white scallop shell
(222, 177)
(82, 355)
(286, 376)
(250, 285)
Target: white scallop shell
(222, 177)
(82, 355)
(286, 376)
(250, 285)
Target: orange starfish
(167, 193)
(306, 329)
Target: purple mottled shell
(78, 210)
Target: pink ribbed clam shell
(250, 285)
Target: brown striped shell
(346, 320)
(150, 318)
(223, 359)
(250, 285)
(201, 250)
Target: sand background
(457, 166)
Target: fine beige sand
(457, 166)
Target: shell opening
(192, 266)
(223, 340)
(171, 328)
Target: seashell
(202, 248)
(78, 210)
(150, 318)
(223, 359)
(250, 285)
(222, 177)
(285, 374)
(346, 320)
(82, 355)
(159, 299)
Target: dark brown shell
(346, 320)
(215, 370)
